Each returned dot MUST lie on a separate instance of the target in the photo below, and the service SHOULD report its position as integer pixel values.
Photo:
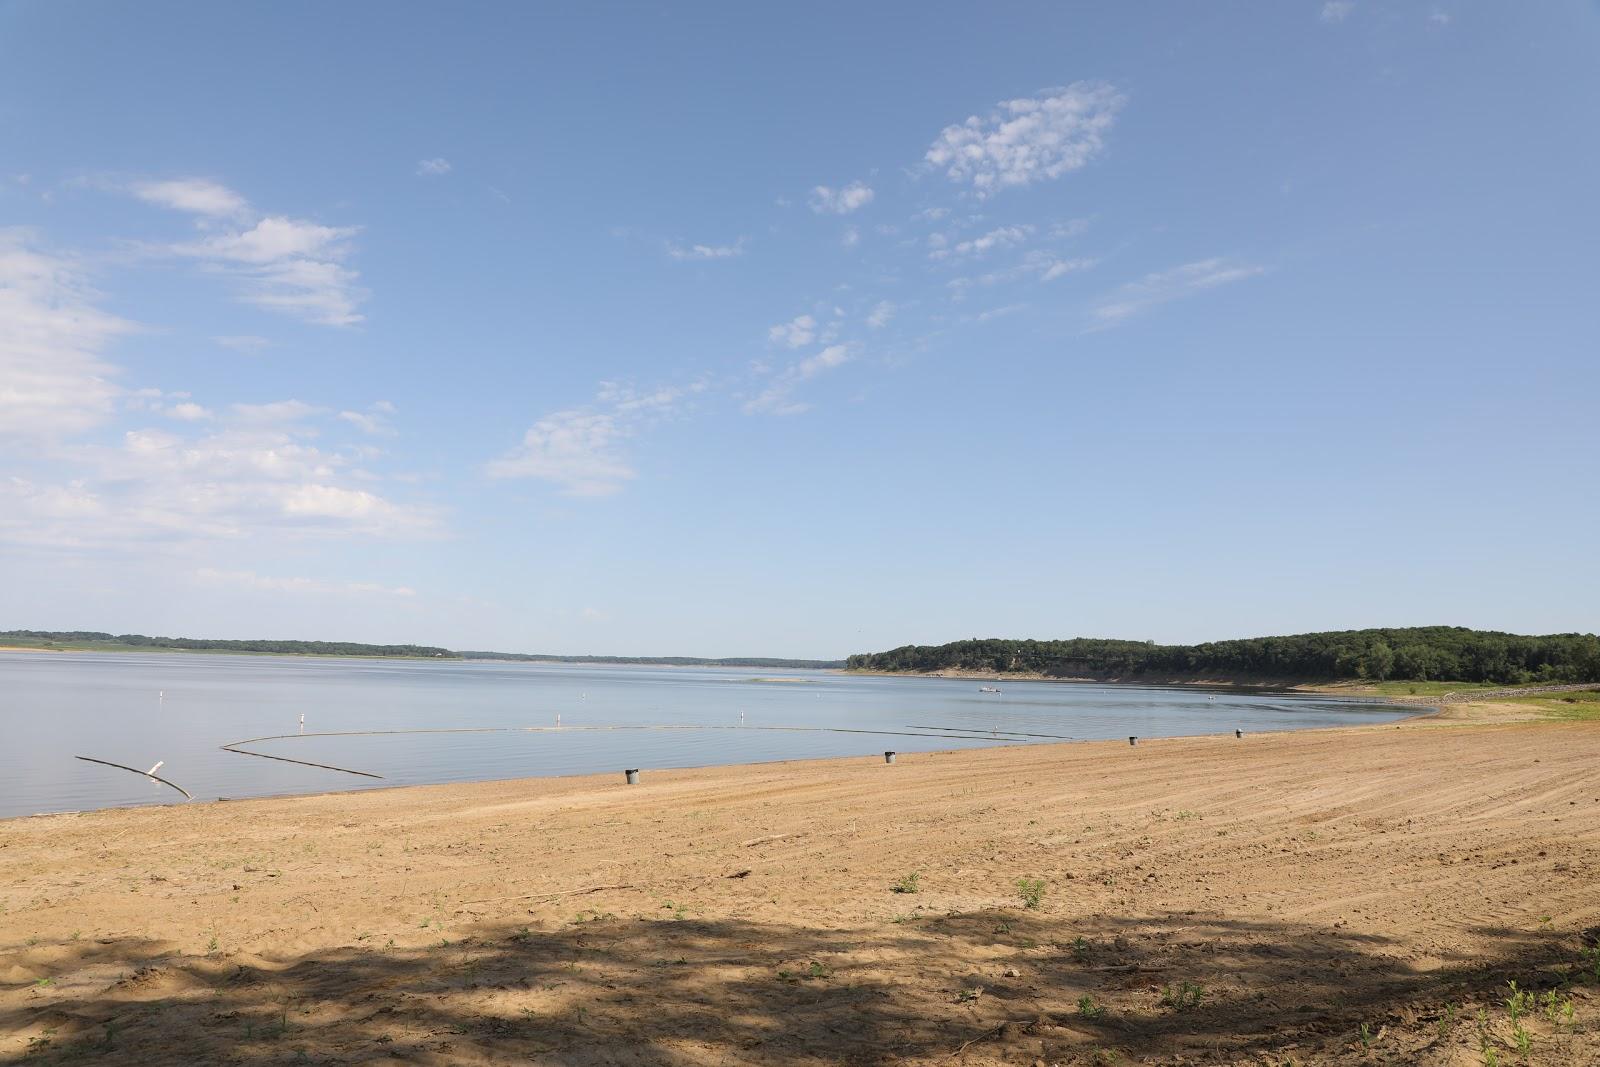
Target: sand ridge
(1321, 897)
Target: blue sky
(746, 330)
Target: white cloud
(1438, 17)
(288, 265)
(851, 237)
(578, 450)
(582, 449)
(677, 251)
(198, 196)
(250, 476)
(828, 201)
(53, 379)
(250, 580)
(187, 412)
(999, 312)
(777, 398)
(880, 315)
(1029, 139)
(796, 333)
(1163, 286)
(430, 168)
(1003, 237)
(1337, 10)
(1062, 267)
(372, 421)
(273, 240)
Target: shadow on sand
(1012, 986)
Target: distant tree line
(198, 644)
(1421, 653)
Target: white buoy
(151, 773)
(558, 718)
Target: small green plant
(1523, 1039)
(1489, 1058)
(1519, 1003)
(1366, 1037)
(1080, 949)
(910, 883)
(967, 996)
(1031, 891)
(1447, 1022)
(211, 946)
(1183, 997)
(1089, 1009)
(815, 970)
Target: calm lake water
(136, 709)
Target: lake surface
(136, 709)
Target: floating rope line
(1004, 733)
(950, 733)
(135, 770)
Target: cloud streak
(777, 398)
(54, 381)
(1161, 287)
(583, 450)
(828, 201)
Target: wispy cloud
(1337, 10)
(433, 168)
(243, 342)
(250, 471)
(54, 380)
(679, 251)
(288, 265)
(829, 201)
(1029, 139)
(1164, 286)
(374, 421)
(582, 450)
(796, 333)
(880, 315)
(188, 411)
(777, 398)
(199, 196)
(1002, 237)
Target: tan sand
(1307, 884)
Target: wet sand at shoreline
(1204, 900)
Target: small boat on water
(987, 689)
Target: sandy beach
(1344, 896)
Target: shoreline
(1420, 712)
(734, 914)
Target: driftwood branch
(135, 770)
